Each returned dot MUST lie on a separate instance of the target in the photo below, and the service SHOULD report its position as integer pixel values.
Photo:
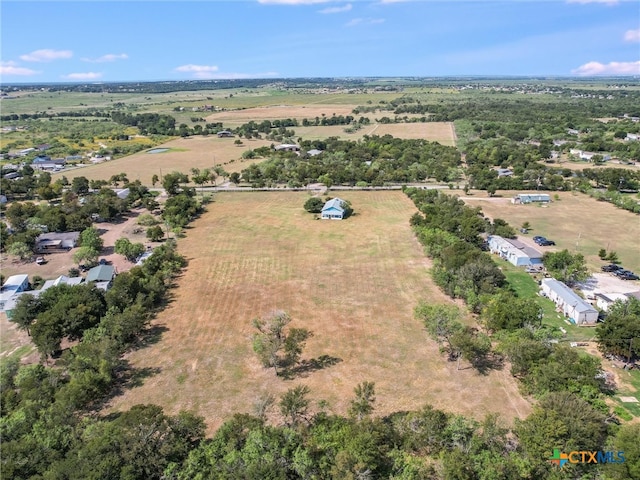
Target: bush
(147, 220)
(314, 205)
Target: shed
(514, 251)
(333, 209)
(569, 302)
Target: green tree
(90, 238)
(362, 405)
(86, 255)
(275, 346)
(20, 250)
(314, 205)
(294, 405)
(442, 323)
(154, 179)
(505, 311)
(565, 266)
(80, 185)
(25, 312)
(131, 251)
(619, 334)
(172, 182)
(625, 440)
(155, 233)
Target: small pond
(158, 150)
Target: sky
(147, 40)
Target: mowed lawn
(353, 283)
(576, 222)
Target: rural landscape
(402, 278)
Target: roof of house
(101, 273)
(61, 280)
(516, 246)
(334, 203)
(568, 296)
(14, 281)
(55, 236)
(313, 152)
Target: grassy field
(353, 283)
(575, 221)
(183, 154)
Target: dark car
(612, 267)
(627, 275)
(538, 238)
(545, 242)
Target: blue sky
(93, 41)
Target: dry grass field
(576, 222)
(442, 132)
(353, 283)
(184, 154)
(272, 112)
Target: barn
(569, 302)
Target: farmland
(352, 283)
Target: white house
(514, 251)
(13, 285)
(632, 137)
(569, 303)
(333, 209)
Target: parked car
(612, 267)
(627, 275)
(538, 238)
(104, 261)
(83, 268)
(41, 261)
(546, 242)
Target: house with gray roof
(577, 310)
(101, 273)
(11, 287)
(514, 251)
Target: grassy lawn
(353, 283)
(630, 387)
(527, 287)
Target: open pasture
(442, 132)
(576, 222)
(183, 154)
(353, 283)
(273, 112)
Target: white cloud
(612, 68)
(197, 69)
(10, 68)
(364, 21)
(293, 2)
(632, 36)
(346, 8)
(83, 76)
(606, 2)
(110, 57)
(46, 55)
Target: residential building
(514, 251)
(531, 197)
(569, 303)
(333, 209)
(12, 286)
(52, 242)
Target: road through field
(353, 283)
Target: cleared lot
(353, 283)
